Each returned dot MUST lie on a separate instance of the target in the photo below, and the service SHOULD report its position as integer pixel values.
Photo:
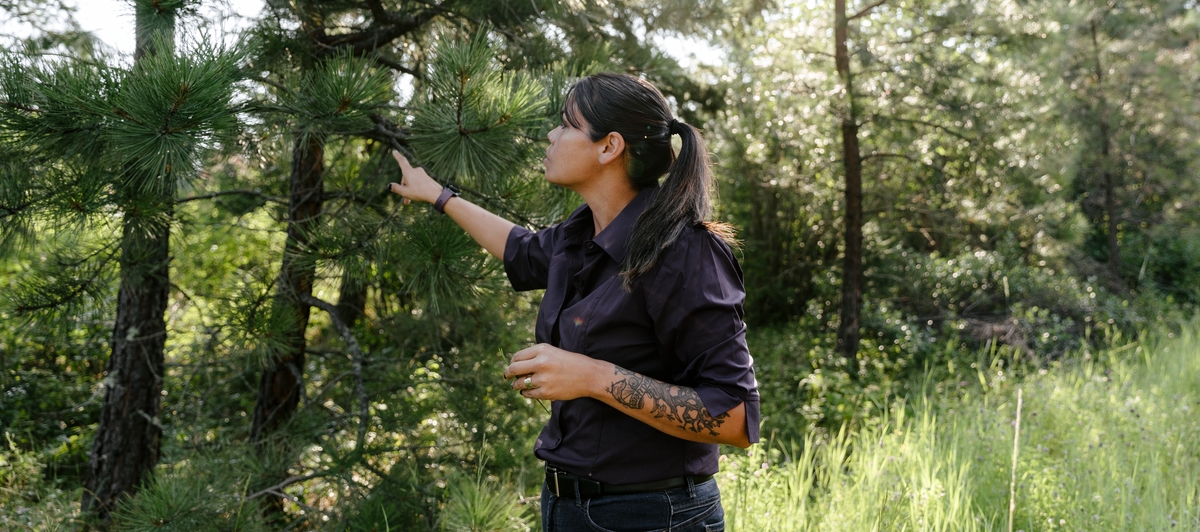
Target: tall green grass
(1108, 441)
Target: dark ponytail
(636, 110)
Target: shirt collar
(614, 238)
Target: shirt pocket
(576, 321)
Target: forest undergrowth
(1105, 443)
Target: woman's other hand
(416, 183)
(553, 373)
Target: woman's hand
(416, 183)
(553, 373)
(558, 375)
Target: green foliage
(469, 126)
(50, 366)
(206, 493)
(27, 500)
(167, 110)
(445, 262)
(1104, 445)
(481, 504)
(337, 97)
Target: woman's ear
(612, 147)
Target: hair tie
(672, 126)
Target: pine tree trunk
(352, 299)
(280, 387)
(1110, 199)
(127, 441)
(848, 326)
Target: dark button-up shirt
(681, 323)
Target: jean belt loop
(578, 492)
(691, 487)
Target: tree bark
(126, 447)
(352, 299)
(282, 384)
(848, 326)
(1110, 198)
(127, 441)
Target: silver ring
(529, 383)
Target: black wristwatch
(449, 191)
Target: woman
(641, 340)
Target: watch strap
(440, 204)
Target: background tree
(104, 141)
(48, 25)
(968, 225)
(1133, 144)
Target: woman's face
(573, 158)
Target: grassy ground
(1108, 441)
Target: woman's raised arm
(489, 230)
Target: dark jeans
(692, 509)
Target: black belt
(562, 484)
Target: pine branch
(381, 31)
(125, 114)
(396, 138)
(387, 129)
(80, 288)
(356, 353)
(287, 482)
(266, 197)
(866, 10)
(369, 203)
(8, 212)
(297, 502)
(377, 10)
(395, 65)
(281, 87)
(20, 107)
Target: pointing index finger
(400, 158)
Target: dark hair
(636, 110)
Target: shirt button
(591, 245)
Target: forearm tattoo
(678, 404)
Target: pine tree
(323, 110)
(1127, 103)
(391, 37)
(104, 149)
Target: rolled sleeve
(527, 257)
(695, 300)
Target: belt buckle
(554, 472)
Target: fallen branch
(356, 354)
